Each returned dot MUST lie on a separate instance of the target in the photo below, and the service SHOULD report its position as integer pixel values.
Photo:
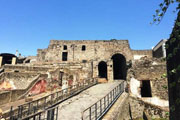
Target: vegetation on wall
(172, 57)
(173, 70)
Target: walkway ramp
(76, 107)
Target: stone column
(13, 61)
(95, 69)
(110, 71)
(1, 60)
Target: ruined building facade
(69, 62)
(114, 60)
(106, 58)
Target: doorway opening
(146, 88)
(119, 66)
(7, 58)
(102, 68)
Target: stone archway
(7, 58)
(119, 66)
(102, 69)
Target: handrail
(49, 101)
(48, 114)
(97, 110)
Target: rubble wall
(157, 105)
(153, 70)
(139, 109)
(95, 49)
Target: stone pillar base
(1, 59)
(13, 61)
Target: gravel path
(72, 108)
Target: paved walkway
(72, 108)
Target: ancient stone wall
(139, 109)
(152, 70)
(19, 80)
(100, 49)
(6, 95)
(19, 85)
(137, 54)
(88, 54)
(27, 68)
(131, 108)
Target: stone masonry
(68, 62)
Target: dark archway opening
(146, 88)
(7, 58)
(119, 66)
(102, 68)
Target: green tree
(160, 12)
(172, 57)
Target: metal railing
(49, 101)
(49, 114)
(98, 109)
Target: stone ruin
(68, 62)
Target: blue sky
(27, 25)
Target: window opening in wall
(16, 70)
(83, 48)
(84, 61)
(146, 89)
(65, 47)
(64, 56)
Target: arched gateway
(7, 58)
(102, 68)
(119, 66)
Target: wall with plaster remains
(157, 105)
(95, 49)
(90, 56)
(153, 70)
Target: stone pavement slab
(72, 108)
